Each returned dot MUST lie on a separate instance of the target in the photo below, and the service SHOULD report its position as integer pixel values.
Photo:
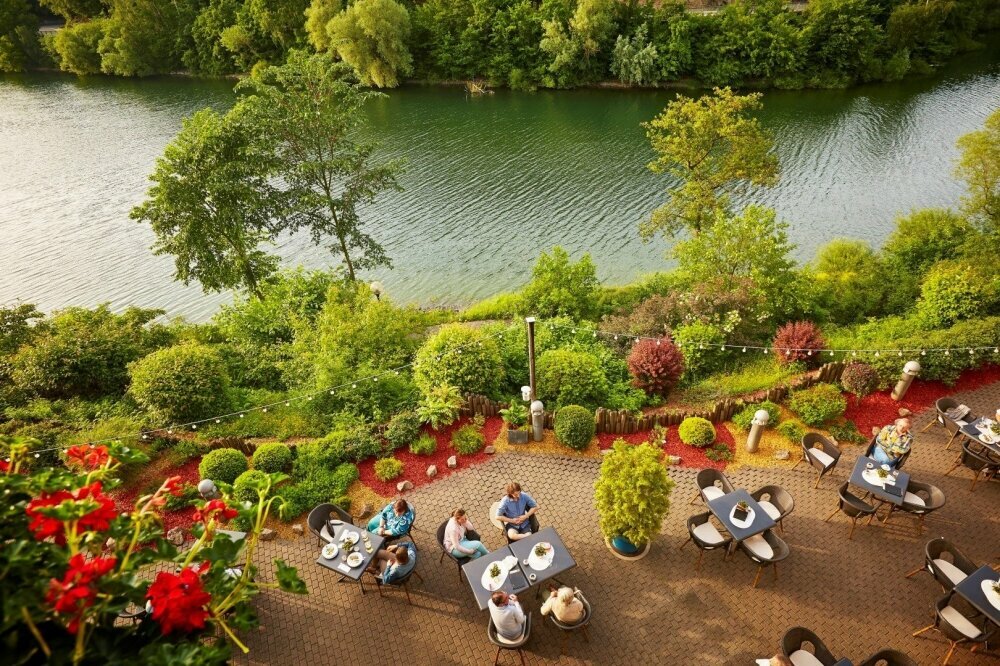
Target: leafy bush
(655, 365)
(798, 341)
(424, 445)
(571, 377)
(847, 432)
(440, 406)
(560, 287)
(719, 453)
(245, 486)
(459, 356)
(701, 345)
(575, 426)
(696, 431)
(859, 379)
(273, 457)
(75, 46)
(181, 383)
(515, 415)
(743, 419)
(468, 440)
(953, 291)
(848, 280)
(387, 469)
(818, 405)
(792, 431)
(223, 465)
(403, 428)
(632, 492)
(351, 443)
(321, 485)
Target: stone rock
(404, 486)
(267, 534)
(903, 411)
(176, 536)
(366, 510)
(490, 449)
(452, 462)
(110, 543)
(781, 454)
(672, 460)
(432, 471)
(298, 529)
(605, 452)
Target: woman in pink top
(454, 537)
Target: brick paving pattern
(658, 610)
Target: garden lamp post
(910, 372)
(760, 419)
(536, 407)
(378, 289)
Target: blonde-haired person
(892, 442)
(563, 603)
(459, 526)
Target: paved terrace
(657, 610)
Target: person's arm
(547, 606)
(501, 516)
(518, 613)
(531, 505)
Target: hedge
(244, 488)
(273, 457)
(818, 405)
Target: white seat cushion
(509, 641)
(707, 533)
(803, 658)
(759, 546)
(950, 571)
(822, 456)
(960, 622)
(910, 498)
(325, 534)
(711, 492)
(770, 509)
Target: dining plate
(991, 595)
(872, 477)
(330, 551)
(355, 559)
(541, 562)
(492, 583)
(742, 523)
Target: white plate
(355, 559)
(353, 536)
(545, 561)
(330, 551)
(991, 596)
(493, 584)
(872, 477)
(742, 523)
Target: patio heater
(910, 372)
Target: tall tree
(310, 111)
(18, 35)
(214, 203)
(979, 167)
(371, 35)
(715, 149)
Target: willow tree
(371, 35)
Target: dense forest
(523, 44)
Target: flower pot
(517, 436)
(624, 549)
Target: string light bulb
(218, 420)
(947, 352)
(744, 350)
(923, 352)
(194, 426)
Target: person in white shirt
(562, 603)
(507, 615)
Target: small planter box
(517, 436)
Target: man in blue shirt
(515, 512)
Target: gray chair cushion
(707, 533)
(823, 457)
(951, 572)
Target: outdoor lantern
(760, 420)
(910, 372)
(537, 419)
(526, 393)
(208, 489)
(377, 289)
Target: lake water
(491, 181)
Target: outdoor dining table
(473, 569)
(561, 558)
(722, 508)
(971, 589)
(338, 565)
(901, 480)
(972, 431)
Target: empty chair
(944, 561)
(977, 463)
(711, 484)
(580, 626)
(776, 501)
(889, 657)
(853, 507)
(704, 535)
(821, 453)
(951, 426)
(921, 499)
(504, 644)
(765, 549)
(960, 623)
(318, 521)
(794, 645)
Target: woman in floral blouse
(394, 520)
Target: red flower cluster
(89, 457)
(216, 506)
(4, 466)
(96, 520)
(174, 485)
(76, 592)
(179, 601)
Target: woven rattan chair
(776, 501)
(765, 549)
(797, 639)
(853, 507)
(711, 484)
(504, 644)
(318, 521)
(944, 561)
(402, 582)
(705, 535)
(889, 657)
(952, 427)
(580, 626)
(960, 623)
(977, 463)
(821, 453)
(470, 535)
(920, 500)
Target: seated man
(394, 562)
(515, 512)
(563, 603)
(892, 442)
(507, 615)
(394, 520)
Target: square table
(857, 479)
(474, 569)
(721, 507)
(338, 565)
(971, 430)
(561, 560)
(971, 589)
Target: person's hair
(499, 598)
(458, 513)
(512, 488)
(565, 595)
(402, 555)
(904, 419)
(781, 660)
(400, 505)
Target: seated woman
(394, 521)
(562, 603)
(454, 537)
(394, 562)
(892, 442)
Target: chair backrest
(797, 637)
(491, 632)
(708, 477)
(971, 458)
(964, 609)
(932, 496)
(776, 495)
(851, 504)
(817, 440)
(942, 405)
(318, 516)
(583, 621)
(871, 446)
(889, 657)
(440, 535)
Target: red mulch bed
(415, 466)
(126, 495)
(691, 456)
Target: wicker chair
(978, 463)
(821, 453)
(853, 507)
(795, 640)
(889, 657)
(580, 626)
(504, 644)
(948, 573)
(899, 461)
(704, 535)
(776, 501)
(471, 535)
(920, 500)
(532, 523)
(402, 582)
(707, 488)
(765, 549)
(318, 517)
(951, 426)
(960, 623)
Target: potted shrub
(516, 418)
(632, 496)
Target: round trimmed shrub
(697, 431)
(245, 486)
(575, 427)
(744, 418)
(403, 428)
(462, 357)
(223, 465)
(271, 458)
(859, 379)
(387, 469)
(571, 377)
(181, 383)
(468, 440)
(798, 341)
(655, 365)
(818, 405)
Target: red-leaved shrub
(798, 341)
(860, 379)
(656, 365)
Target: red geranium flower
(174, 485)
(4, 466)
(179, 601)
(216, 506)
(96, 520)
(76, 592)
(90, 457)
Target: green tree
(309, 112)
(18, 35)
(849, 280)
(632, 492)
(634, 59)
(561, 287)
(573, 46)
(371, 37)
(318, 15)
(842, 36)
(73, 9)
(143, 37)
(207, 53)
(979, 167)
(213, 203)
(76, 47)
(15, 326)
(714, 148)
